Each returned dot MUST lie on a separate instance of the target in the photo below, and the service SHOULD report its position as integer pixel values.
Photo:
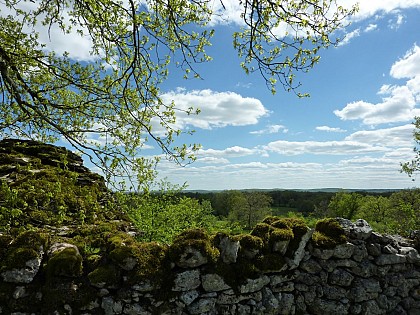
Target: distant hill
(327, 190)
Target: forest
(235, 211)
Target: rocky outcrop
(367, 273)
(22, 158)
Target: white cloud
(218, 109)
(360, 172)
(270, 129)
(212, 160)
(398, 107)
(235, 151)
(325, 148)
(370, 28)
(330, 129)
(54, 39)
(408, 66)
(399, 102)
(226, 12)
(373, 7)
(392, 137)
(349, 36)
(396, 22)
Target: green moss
(250, 242)
(120, 239)
(271, 219)
(16, 257)
(106, 274)
(67, 262)
(236, 274)
(5, 241)
(270, 262)
(192, 234)
(152, 262)
(92, 262)
(328, 233)
(263, 231)
(197, 239)
(284, 234)
(281, 224)
(33, 239)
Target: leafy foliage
(249, 208)
(413, 166)
(106, 107)
(398, 214)
(161, 216)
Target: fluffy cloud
(218, 109)
(392, 137)
(270, 129)
(326, 148)
(329, 129)
(408, 66)
(398, 103)
(349, 36)
(373, 7)
(397, 107)
(234, 151)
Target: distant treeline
(305, 202)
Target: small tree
(250, 208)
(413, 166)
(161, 216)
(344, 205)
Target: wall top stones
(369, 273)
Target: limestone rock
(344, 251)
(390, 259)
(300, 251)
(360, 229)
(252, 285)
(191, 258)
(187, 280)
(229, 250)
(202, 306)
(213, 283)
(412, 254)
(341, 277)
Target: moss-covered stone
(197, 239)
(250, 242)
(67, 262)
(5, 241)
(328, 233)
(263, 231)
(32, 239)
(17, 257)
(236, 274)
(47, 185)
(270, 262)
(105, 275)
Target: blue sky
(352, 132)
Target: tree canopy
(413, 166)
(115, 96)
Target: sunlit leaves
(413, 167)
(282, 38)
(110, 107)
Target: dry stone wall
(368, 273)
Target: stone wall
(364, 273)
